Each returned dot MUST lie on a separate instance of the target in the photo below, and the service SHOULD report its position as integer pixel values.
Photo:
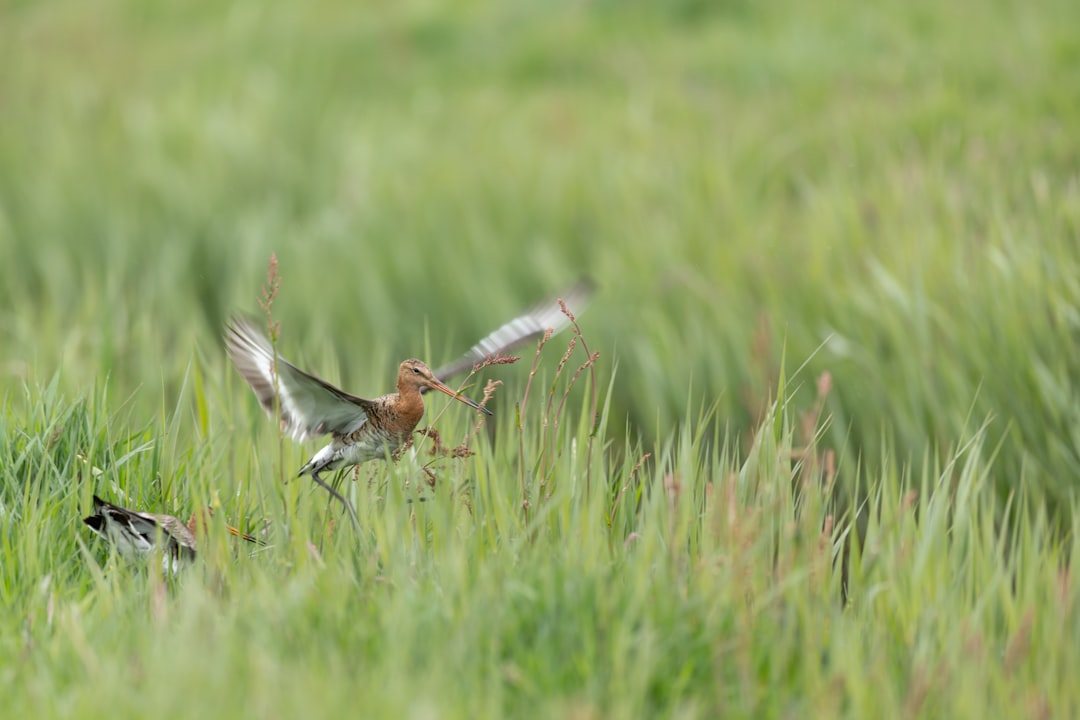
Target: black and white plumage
(136, 534)
(310, 406)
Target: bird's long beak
(244, 535)
(436, 385)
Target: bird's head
(415, 374)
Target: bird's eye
(416, 370)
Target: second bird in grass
(137, 533)
(360, 429)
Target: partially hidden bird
(136, 534)
(362, 429)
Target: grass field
(834, 461)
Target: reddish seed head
(566, 310)
(496, 359)
(824, 384)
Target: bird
(136, 534)
(362, 429)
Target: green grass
(764, 194)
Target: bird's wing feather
(180, 535)
(309, 405)
(525, 327)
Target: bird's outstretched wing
(525, 327)
(309, 405)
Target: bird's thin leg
(339, 496)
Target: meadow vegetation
(824, 464)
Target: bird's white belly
(370, 447)
(339, 454)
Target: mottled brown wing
(309, 405)
(528, 326)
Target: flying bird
(361, 429)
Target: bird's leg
(339, 496)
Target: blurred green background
(888, 192)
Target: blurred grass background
(889, 193)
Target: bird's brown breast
(393, 416)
